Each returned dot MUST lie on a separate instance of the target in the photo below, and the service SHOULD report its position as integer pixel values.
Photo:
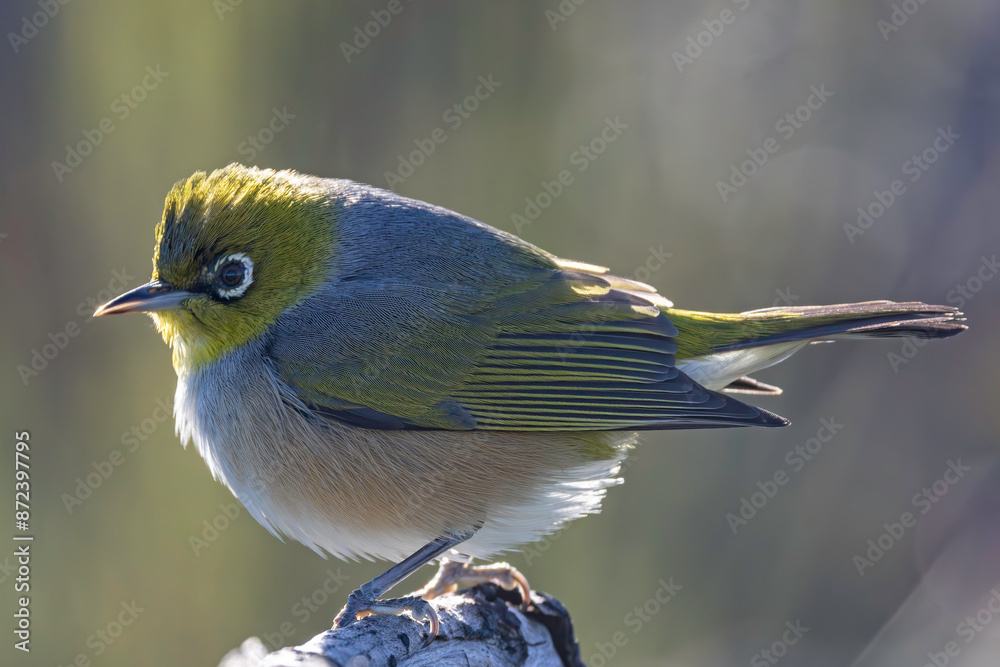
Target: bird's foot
(453, 575)
(365, 601)
(359, 605)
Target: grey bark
(479, 626)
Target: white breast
(365, 493)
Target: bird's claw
(449, 578)
(420, 610)
(452, 575)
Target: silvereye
(379, 377)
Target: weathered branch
(479, 626)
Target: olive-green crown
(283, 221)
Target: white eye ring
(238, 290)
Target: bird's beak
(154, 295)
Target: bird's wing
(563, 349)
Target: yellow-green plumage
(702, 333)
(337, 346)
(720, 350)
(287, 224)
(390, 313)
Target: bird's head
(235, 249)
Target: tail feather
(869, 319)
(718, 350)
(749, 385)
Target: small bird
(377, 377)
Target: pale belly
(383, 494)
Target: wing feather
(566, 349)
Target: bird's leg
(453, 575)
(365, 600)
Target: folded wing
(565, 349)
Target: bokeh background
(192, 85)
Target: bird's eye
(231, 274)
(234, 274)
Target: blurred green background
(186, 86)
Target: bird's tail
(720, 350)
